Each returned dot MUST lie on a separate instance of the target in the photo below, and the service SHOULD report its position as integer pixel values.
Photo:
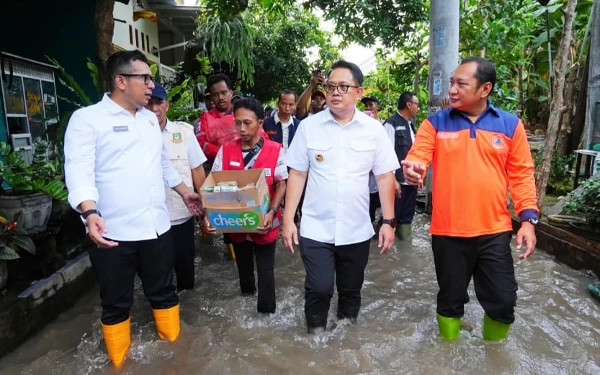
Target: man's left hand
(386, 238)
(526, 235)
(193, 201)
(398, 190)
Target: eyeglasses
(147, 77)
(342, 89)
(415, 103)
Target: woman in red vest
(253, 150)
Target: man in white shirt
(116, 170)
(339, 146)
(188, 159)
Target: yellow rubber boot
(449, 327)
(231, 251)
(117, 338)
(494, 330)
(167, 322)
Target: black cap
(369, 98)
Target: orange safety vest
(267, 159)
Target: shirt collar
(357, 117)
(168, 127)
(490, 108)
(284, 125)
(114, 108)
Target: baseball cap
(237, 94)
(369, 98)
(159, 92)
(317, 93)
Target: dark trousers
(489, 261)
(323, 262)
(115, 269)
(404, 207)
(374, 204)
(185, 252)
(245, 252)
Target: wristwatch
(533, 221)
(390, 222)
(90, 212)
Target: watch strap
(274, 209)
(87, 213)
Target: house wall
(129, 34)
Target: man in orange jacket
(478, 152)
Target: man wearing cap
(187, 159)
(317, 97)
(371, 106)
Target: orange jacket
(474, 165)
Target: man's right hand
(289, 234)
(317, 79)
(413, 172)
(97, 230)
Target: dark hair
(356, 72)
(405, 98)
(287, 92)
(120, 62)
(214, 79)
(486, 72)
(250, 104)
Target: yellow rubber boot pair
(167, 322)
(117, 338)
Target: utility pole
(592, 116)
(443, 59)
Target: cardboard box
(241, 211)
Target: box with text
(238, 209)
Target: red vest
(267, 159)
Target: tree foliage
(286, 48)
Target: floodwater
(557, 328)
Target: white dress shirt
(391, 133)
(119, 161)
(285, 130)
(339, 159)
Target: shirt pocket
(362, 156)
(320, 154)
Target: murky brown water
(557, 330)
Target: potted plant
(29, 188)
(587, 204)
(12, 241)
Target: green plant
(560, 179)
(41, 175)
(587, 203)
(13, 240)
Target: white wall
(121, 36)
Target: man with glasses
(116, 170)
(404, 136)
(336, 149)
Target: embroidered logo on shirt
(177, 138)
(151, 123)
(118, 129)
(498, 142)
(447, 135)
(319, 157)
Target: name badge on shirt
(267, 172)
(118, 129)
(400, 127)
(234, 163)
